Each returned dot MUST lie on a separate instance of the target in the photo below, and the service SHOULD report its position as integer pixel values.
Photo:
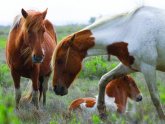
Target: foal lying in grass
(117, 93)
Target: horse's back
(146, 39)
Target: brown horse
(117, 93)
(29, 49)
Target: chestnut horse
(29, 49)
(136, 38)
(117, 93)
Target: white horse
(137, 39)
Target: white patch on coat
(109, 102)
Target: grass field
(86, 85)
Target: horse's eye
(30, 33)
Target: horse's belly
(161, 56)
(161, 66)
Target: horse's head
(67, 60)
(132, 90)
(33, 33)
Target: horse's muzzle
(37, 59)
(60, 90)
(139, 98)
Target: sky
(71, 11)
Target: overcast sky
(71, 11)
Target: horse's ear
(44, 13)
(24, 13)
(72, 39)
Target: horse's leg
(105, 79)
(45, 88)
(41, 80)
(16, 78)
(149, 72)
(35, 85)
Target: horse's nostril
(37, 59)
(60, 90)
(139, 98)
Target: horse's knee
(156, 101)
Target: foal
(29, 49)
(117, 92)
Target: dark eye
(60, 62)
(30, 33)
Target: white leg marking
(35, 98)
(17, 97)
(45, 88)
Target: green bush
(95, 67)
(2, 42)
(5, 78)
(7, 114)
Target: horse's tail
(28, 96)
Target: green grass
(2, 42)
(86, 85)
(7, 115)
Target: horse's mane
(106, 19)
(16, 22)
(55, 52)
(35, 16)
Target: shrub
(95, 67)
(5, 78)
(7, 114)
(2, 42)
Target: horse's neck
(107, 34)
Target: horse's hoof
(102, 112)
(103, 116)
